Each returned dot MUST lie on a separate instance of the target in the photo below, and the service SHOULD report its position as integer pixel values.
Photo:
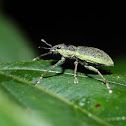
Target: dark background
(94, 24)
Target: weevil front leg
(55, 65)
(75, 72)
(38, 58)
(96, 71)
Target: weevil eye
(59, 47)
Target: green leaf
(13, 115)
(57, 100)
(14, 44)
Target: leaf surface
(58, 101)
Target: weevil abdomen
(93, 55)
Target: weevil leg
(97, 71)
(58, 63)
(75, 72)
(38, 58)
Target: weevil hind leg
(55, 65)
(75, 72)
(97, 71)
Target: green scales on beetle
(86, 56)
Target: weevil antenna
(37, 58)
(46, 42)
(43, 47)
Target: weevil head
(64, 50)
(58, 47)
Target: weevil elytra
(86, 56)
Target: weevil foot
(38, 81)
(75, 81)
(110, 89)
(35, 59)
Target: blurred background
(93, 24)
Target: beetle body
(86, 56)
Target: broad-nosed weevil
(86, 56)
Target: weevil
(86, 56)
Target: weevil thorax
(64, 50)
